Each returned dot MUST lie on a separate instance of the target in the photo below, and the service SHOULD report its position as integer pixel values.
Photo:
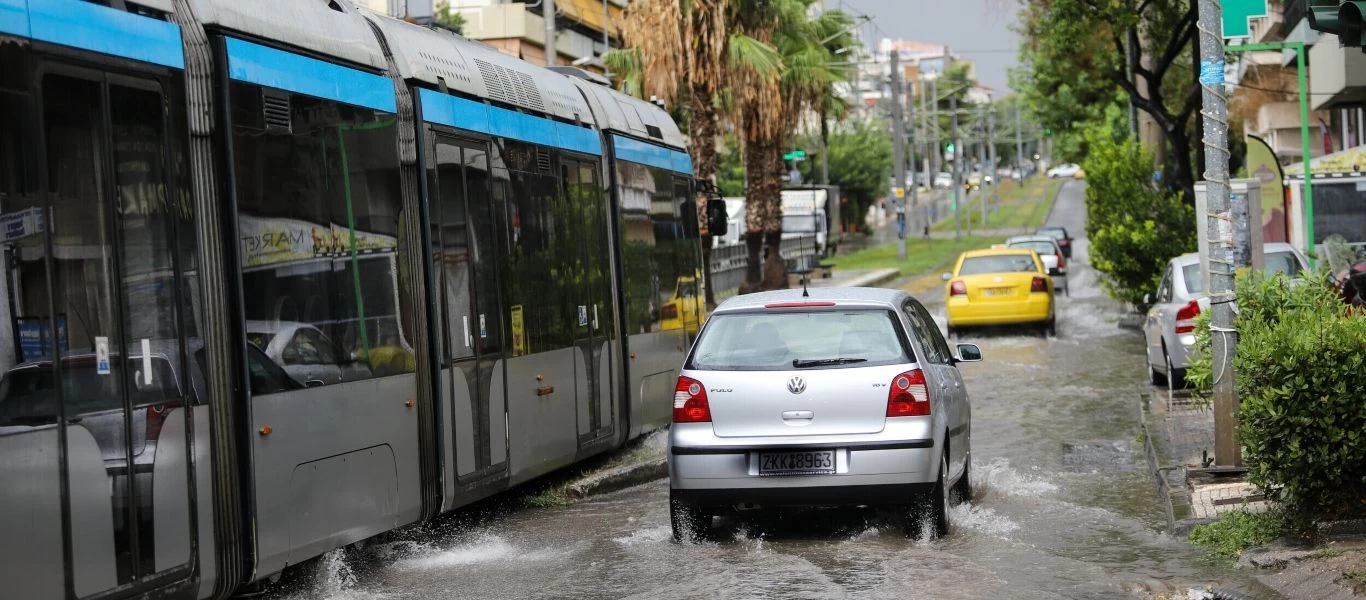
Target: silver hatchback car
(845, 397)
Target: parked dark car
(1060, 234)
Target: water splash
(334, 579)
(998, 476)
(486, 548)
(982, 519)
(650, 535)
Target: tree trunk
(755, 209)
(702, 133)
(775, 268)
(1183, 180)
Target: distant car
(1169, 330)
(974, 180)
(1049, 252)
(845, 397)
(1060, 234)
(943, 180)
(1000, 287)
(1066, 170)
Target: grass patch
(1356, 580)
(1328, 553)
(921, 254)
(1237, 531)
(1021, 206)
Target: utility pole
(910, 160)
(937, 155)
(898, 154)
(551, 54)
(1019, 144)
(1220, 226)
(991, 159)
(957, 176)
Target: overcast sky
(965, 25)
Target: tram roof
(432, 56)
(621, 113)
(333, 28)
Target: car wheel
(1154, 378)
(689, 522)
(962, 489)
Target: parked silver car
(849, 396)
(305, 352)
(1169, 330)
(1050, 253)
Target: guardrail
(728, 262)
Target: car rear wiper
(798, 363)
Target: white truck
(805, 213)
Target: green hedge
(1134, 229)
(1300, 373)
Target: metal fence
(728, 263)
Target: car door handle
(798, 415)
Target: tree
(1076, 52)
(687, 48)
(860, 158)
(446, 18)
(769, 104)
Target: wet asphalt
(1063, 507)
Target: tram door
(463, 218)
(94, 303)
(594, 324)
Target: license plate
(996, 291)
(819, 462)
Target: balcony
(1337, 76)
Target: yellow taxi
(685, 309)
(999, 286)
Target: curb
(1134, 322)
(877, 279)
(618, 478)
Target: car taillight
(1039, 284)
(690, 402)
(156, 417)
(909, 396)
(670, 311)
(1064, 242)
(1062, 263)
(958, 288)
(1185, 317)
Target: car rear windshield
(1043, 248)
(1001, 263)
(782, 341)
(1056, 233)
(1274, 263)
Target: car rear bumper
(828, 495)
(1038, 307)
(1180, 352)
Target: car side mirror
(718, 219)
(1149, 299)
(969, 353)
(948, 276)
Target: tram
(281, 276)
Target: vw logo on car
(796, 385)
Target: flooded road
(1064, 507)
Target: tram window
(146, 226)
(541, 266)
(319, 215)
(82, 258)
(650, 214)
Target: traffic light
(1349, 21)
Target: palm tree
(677, 47)
(769, 106)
